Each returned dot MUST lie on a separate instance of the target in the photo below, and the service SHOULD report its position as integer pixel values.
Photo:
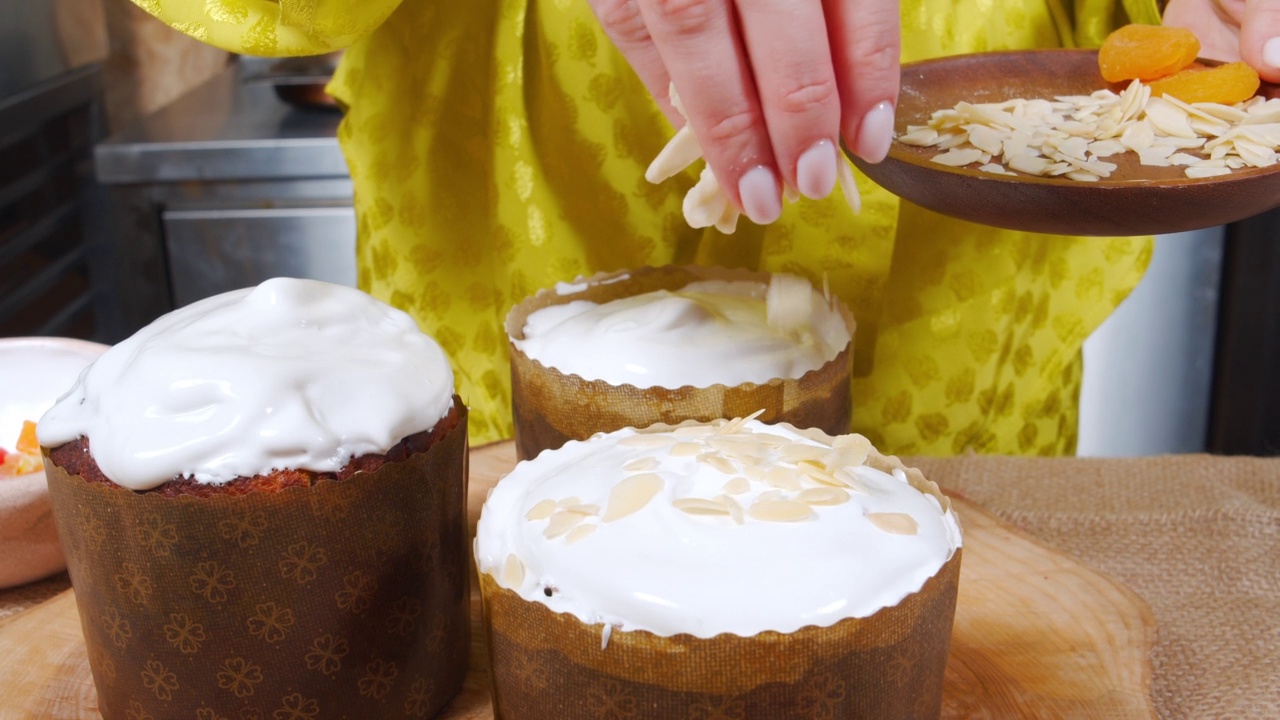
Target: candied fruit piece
(1227, 84)
(1146, 52)
(27, 442)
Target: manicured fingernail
(1271, 52)
(760, 198)
(876, 132)
(816, 170)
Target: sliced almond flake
(642, 464)
(584, 509)
(788, 302)
(641, 440)
(734, 507)
(823, 496)
(1106, 148)
(1082, 176)
(894, 523)
(720, 463)
(851, 481)
(919, 135)
(1268, 134)
(569, 501)
(1183, 159)
(795, 452)
(986, 139)
(995, 169)
(1226, 113)
(705, 202)
(1210, 163)
(1235, 162)
(780, 511)
(782, 478)
(768, 495)
(819, 475)
(958, 157)
(680, 152)
(562, 522)
(1204, 172)
(1138, 136)
(1030, 164)
(1255, 154)
(541, 510)
(737, 485)
(631, 494)
(700, 506)
(685, 449)
(1058, 168)
(1154, 156)
(580, 532)
(512, 573)
(736, 447)
(848, 186)
(1168, 118)
(732, 426)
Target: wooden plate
(1135, 200)
(1037, 635)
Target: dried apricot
(1146, 52)
(1226, 84)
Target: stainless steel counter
(223, 188)
(227, 129)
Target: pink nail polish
(876, 132)
(760, 199)
(816, 170)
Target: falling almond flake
(788, 302)
(542, 510)
(631, 494)
(579, 532)
(780, 511)
(894, 523)
(512, 573)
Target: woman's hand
(768, 86)
(1231, 30)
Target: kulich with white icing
(292, 374)
(733, 527)
(709, 332)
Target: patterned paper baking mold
(552, 666)
(550, 407)
(345, 599)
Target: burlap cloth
(1197, 537)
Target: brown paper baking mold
(550, 407)
(347, 599)
(889, 666)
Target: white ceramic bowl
(34, 372)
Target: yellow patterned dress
(499, 146)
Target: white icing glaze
(667, 571)
(291, 374)
(707, 333)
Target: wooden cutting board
(1037, 635)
